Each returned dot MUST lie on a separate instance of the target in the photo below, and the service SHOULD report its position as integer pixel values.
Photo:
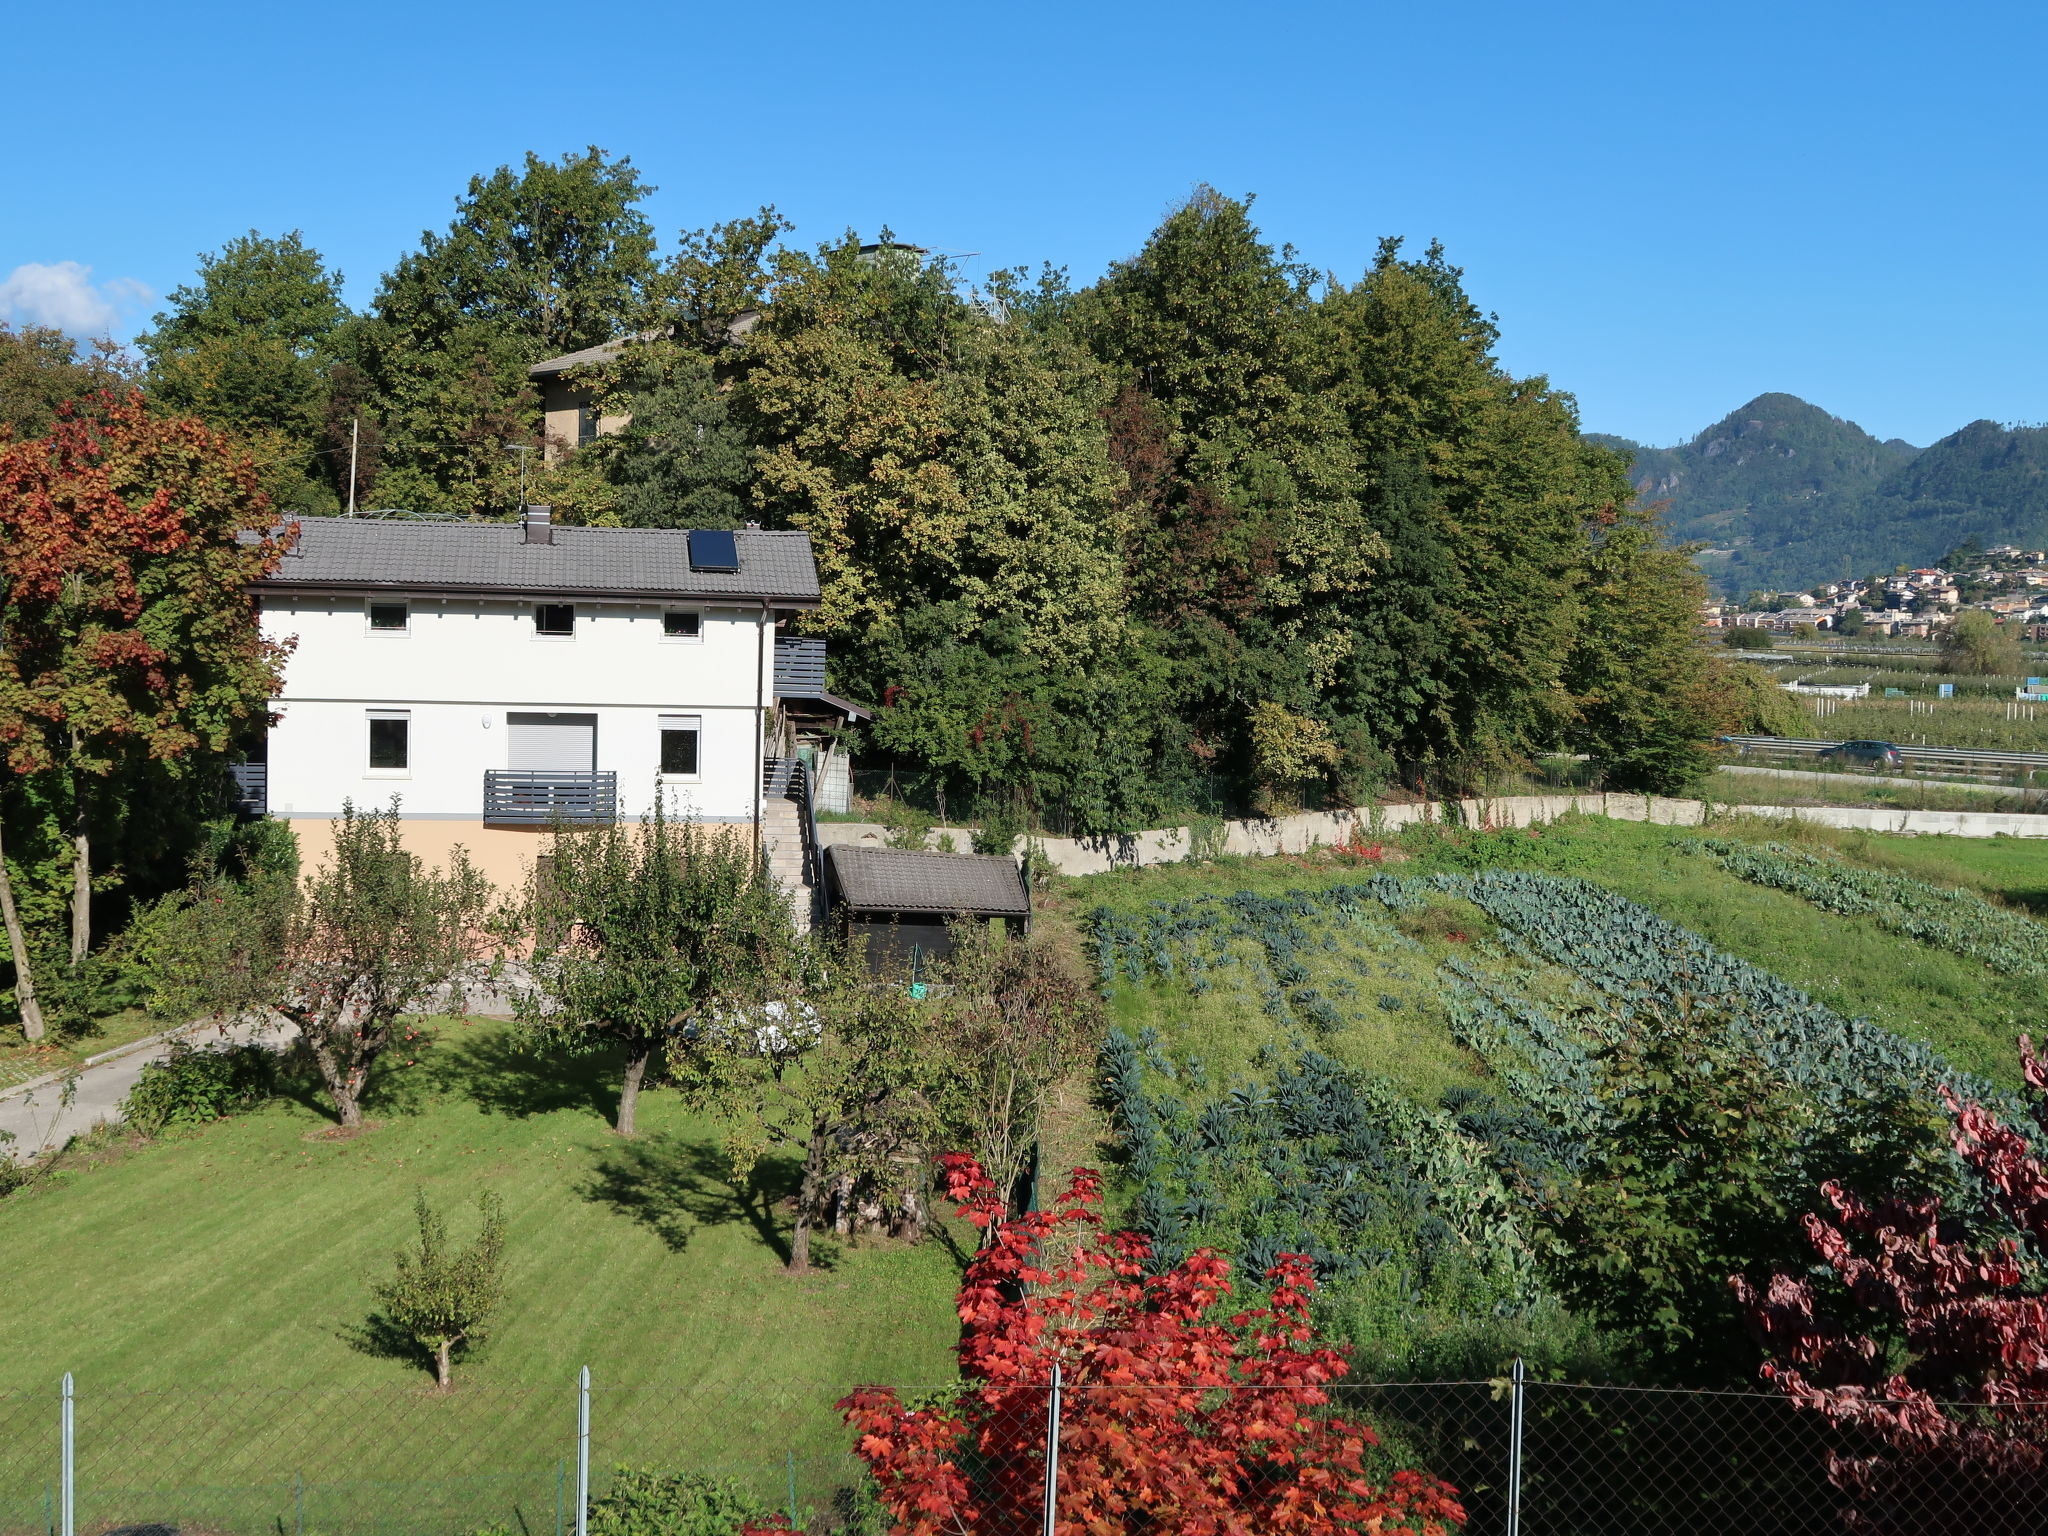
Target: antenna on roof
(522, 449)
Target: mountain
(1779, 492)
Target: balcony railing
(252, 788)
(799, 669)
(524, 798)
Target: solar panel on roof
(713, 549)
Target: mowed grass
(1970, 1013)
(209, 1293)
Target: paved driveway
(41, 1115)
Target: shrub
(641, 1502)
(196, 1085)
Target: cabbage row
(1959, 921)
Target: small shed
(901, 899)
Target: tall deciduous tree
(247, 349)
(347, 954)
(1978, 645)
(545, 259)
(1648, 693)
(1485, 488)
(128, 543)
(1250, 544)
(41, 369)
(642, 934)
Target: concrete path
(41, 1115)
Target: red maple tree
(128, 542)
(1952, 1434)
(1173, 1421)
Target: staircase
(789, 838)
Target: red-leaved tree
(128, 542)
(1174, 1421)
(1948, 1416)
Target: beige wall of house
(504, 855)
(561, 408)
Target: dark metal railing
(526, 798)
(252, 788)
(799, 669)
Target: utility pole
(355, 424)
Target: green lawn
(207, 1292)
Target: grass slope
(185, 1282)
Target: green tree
(41, 369)
(247, 349)
(1642, 681)
(1015, 1024)
(839, 1068)
(441, 1297)
(641, 935)
(1977, 645)
(127, 545)
(371, 938)
(1497, 535)
(539, 261)
(1249, 545)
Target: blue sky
(1672, 207)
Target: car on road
(1864, 754)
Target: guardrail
(526, 798)
(1957, 755)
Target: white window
(389, 616)
(682, 624)
(554, 619)
(680, 739)
(390, 741)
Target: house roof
(603, 352)
(354, 553)
(908, 880)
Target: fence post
(561, 1493)
(1052, 1449)
(1515, 1450)
(583, 1453)
(67, 1489)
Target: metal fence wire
(1526, 1459)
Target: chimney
(540, 525)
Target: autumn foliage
(1949, 1424)
(1173, 1421)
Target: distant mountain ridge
(1786, 496)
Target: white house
(498, 677)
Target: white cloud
(63, 294)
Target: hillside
(1784, 495)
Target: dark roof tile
(907, 880)
(397, 554)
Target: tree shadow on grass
(674, 1186)
(505, 1072)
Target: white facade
(463, 668)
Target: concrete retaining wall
(1298, 834)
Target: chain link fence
(1545, 1459)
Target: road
(1872, 778)
(41, 1116)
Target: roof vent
(714, 549)
(540, 525)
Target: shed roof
(356, 553)
(908, 880)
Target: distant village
(2007, 582)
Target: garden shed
(901, 899)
